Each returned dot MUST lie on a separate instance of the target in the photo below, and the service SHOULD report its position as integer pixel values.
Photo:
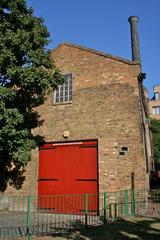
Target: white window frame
(64, 92)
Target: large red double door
(67, 172)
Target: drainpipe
(136, 57)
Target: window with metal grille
(64, 92)
(156, 110)
(157, 95)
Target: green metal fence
(30, 215)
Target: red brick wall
(106, 107)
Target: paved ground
(138, 228)
(14, 225)
(62, 227)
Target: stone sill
(62, 103)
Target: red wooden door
(68, 169)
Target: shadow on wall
(13, 177)
(13, 174)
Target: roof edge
(98, 53)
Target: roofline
(98, 53)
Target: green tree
(26, 72)
(155, 128)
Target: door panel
(68, 169)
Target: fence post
(28, 216)
(126, 202)
(105, 207)
(133, 203)
(86, 210)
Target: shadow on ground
(132, 228)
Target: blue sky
(103, 25)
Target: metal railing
(30, 215)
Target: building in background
(154, 103)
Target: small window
(156, 110)
(157, 95)
(64, 92)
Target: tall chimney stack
(134, 39)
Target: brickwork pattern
(105, 107)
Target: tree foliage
(26, 72)
(155, 128)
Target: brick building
(154, 103)
(96, 136)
